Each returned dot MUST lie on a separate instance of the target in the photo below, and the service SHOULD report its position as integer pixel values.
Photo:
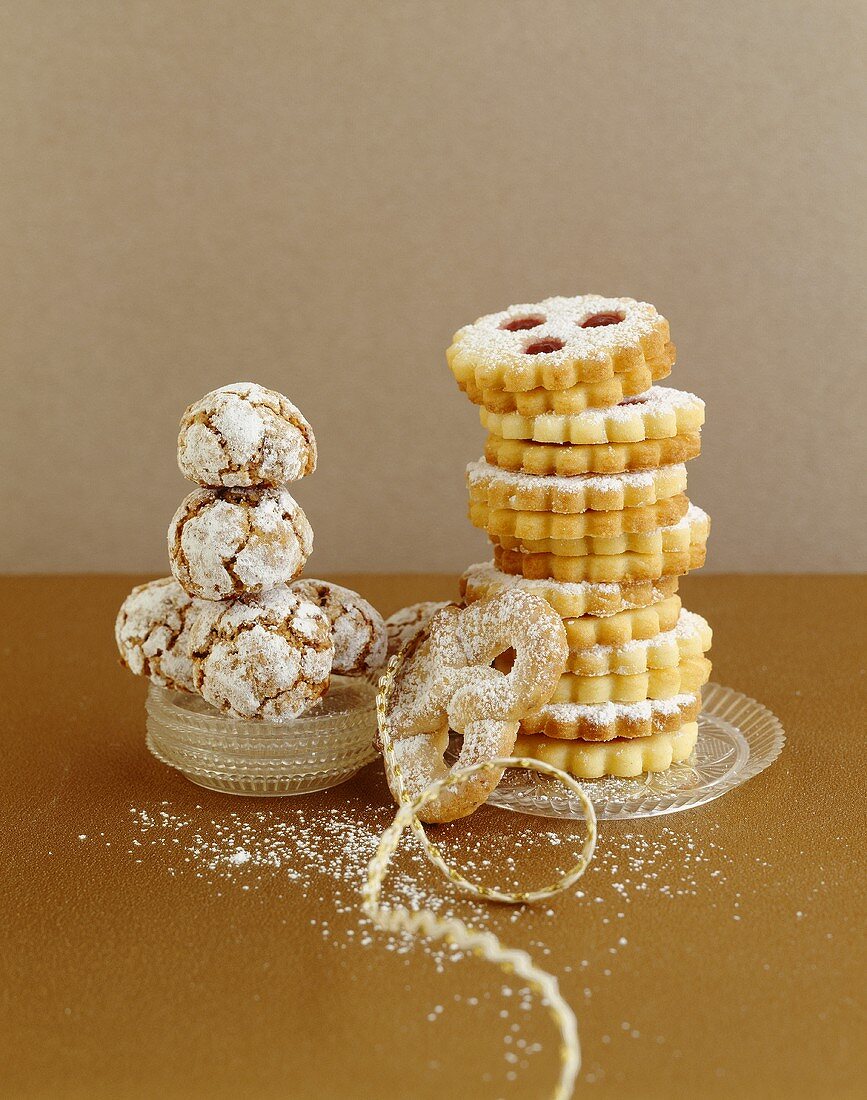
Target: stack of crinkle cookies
(582, 493)
(233, 623)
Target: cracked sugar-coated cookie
(242, 435)
(557, 343)
(234, 542)
(266, 656)
(358, 629)
(403, 625)
(153, 633)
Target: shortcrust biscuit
(586, 395)
(634, 624)
(233, 542)
(403, 625)
(659, 413)
(266, 656)
(500, 488)
(357, 628)
(557, 343)
(569, 599)
(245, 434)
(690, 637)
(622, 757)
(571, 460)
(506, 523)
(153, 633)
(604, 721)
(612, 568)
(444, 680)
(686, 677)
(675, 537)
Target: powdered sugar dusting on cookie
(242, 435)
(232, 542)
(357, 628)
(490, 342)
(263, 657)
(153, 633)
(483, 472)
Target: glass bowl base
(320, 749)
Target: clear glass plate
(322, 748)
(737, 739)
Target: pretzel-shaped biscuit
(443, 680)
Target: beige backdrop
(315, 195)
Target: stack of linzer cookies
(582, 493)
(233, 623)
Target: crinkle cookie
(244, 434)
(266, 656)
(358, 629)
(153, 633)
(403, 625)
(233, 542)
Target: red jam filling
(541, 347)
(520, 324)
(602, 320)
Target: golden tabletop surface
(165, 940)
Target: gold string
(453, 931)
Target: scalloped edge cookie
(557, 343)
(605, 721)
(572, 460)
(499, 488)
(569, 600)
(621, 757)
(608, 569)
(659, 413)
(586, 395)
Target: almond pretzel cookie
(267, 656)
(569, 600)
(622, 757)
(403, 625)
(669, 539)
(691, 637)
(245, 434)
(586, 395)
(233, 542)
(571, 460)
(153, 634)
(357, 628)
(499, 488)
(506, 523)
(605, 721)
(660, 413)
(611, 568)
(687, 677)
(443, 680)
(557, 343)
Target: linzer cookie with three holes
(559, 343)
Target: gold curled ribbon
(486, 945)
